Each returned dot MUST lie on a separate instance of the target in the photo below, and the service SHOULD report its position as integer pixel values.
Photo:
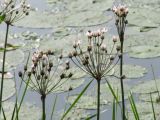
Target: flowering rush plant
(97, 60)
(46, 73)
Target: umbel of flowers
(121, 12)
(44, 75)
(96, 60)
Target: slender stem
(43, 98)
(121, 78)
(98, 100)
(3, 65)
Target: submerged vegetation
(80, 68)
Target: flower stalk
(121, 12)
(3, 65)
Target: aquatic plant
(97, 60)
(13, 11)
(44, 75)
(121, 12)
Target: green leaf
(76, 100)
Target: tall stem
(3, 65)
(43, 98)
(121, 78)
(98, 99)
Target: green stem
(121, 78)
(98, 100)
(3, 66)
(43, 98)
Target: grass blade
(76, 100)
(4, 116)
(112, 91)
(153, 107)
(133, 106)
(90, 117)
(113, 110)
(55, 101)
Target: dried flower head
(95, 60)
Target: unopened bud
(89, 48)
(70, 55)
(20, 74)
(29, 74)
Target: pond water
(57, 23)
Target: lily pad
(7, 75)
(13, 58)
(146, 97)
(69, 85)
(131, 71)
(144, 51)
(147, 86)
(145, 111)
(80, 5)
(86, 102)
(86, 18)
(25, 113)
(74, 114)
(77, 72)
(38, 19)
(137, 15)
(8, 89)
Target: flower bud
(25, 68)
(118, 48)
(38, 77)
(111, 58)
(102, 37)
(123, 76)
(70, 55)
(62, 76)
(29, 74)
(50, 64)
(70, 75)
(86, 57)
(114, 39)
(20, 74)
(89, 48)
(42, 72)
(74, 53)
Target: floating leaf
(146, 28)
(79, 5)
(38, 19)
(77, 72)
(74, 114)
(85, 18)
(13, 58)
(144, 51)
(131, 71)
(146, 97)
(147, 86)
(86, 102)
(144, 110)
(26, 112)
(69, 85)
(8, 88)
